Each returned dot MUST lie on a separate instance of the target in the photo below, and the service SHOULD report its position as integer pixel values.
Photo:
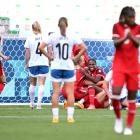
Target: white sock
(40, 94)
(32, 93)
(55, 112)
(70, 112)
(81, 101)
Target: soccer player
(95, 97)
(62, 67)
(107, 85)
(86, 92)
(126, 38)
(2, 74)
(36, 63)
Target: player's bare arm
(118, 41)
(47, 54)
(77, 57)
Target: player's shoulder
(99, 70)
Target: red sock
(91, 92)
(117, 108)
(2, 85)
(131, 114)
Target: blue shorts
(122, 99)
(65, 75)
(35, 71)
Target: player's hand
(50, 56)
(127, 33)
(6, 58)
(27, 66)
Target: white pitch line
(61, 116)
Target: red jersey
(96, 72)
(126, 55)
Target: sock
(70, 112)
(55, 112)
(117, 107)
(81, 101)
(2, 85)
(91, 92)
(131, 114)
(32, 93)
(40, 94)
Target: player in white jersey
(62, 67)
(36, 63)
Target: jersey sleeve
(138, 32)
(27, 44)
(99, 72)
(115, 32)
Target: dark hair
(64, 19)
(127, 11)
(92, 59)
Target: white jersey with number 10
(62, 49)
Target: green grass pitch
(22, 123)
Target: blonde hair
(36, 27)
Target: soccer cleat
(79, 105)
(32, 106)
(111, 107)
(91, 107)
(38, 107)
(70, 120)
(118, 126)
(127, 131)
(65, 104)
(55, 120)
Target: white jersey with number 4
(36, 58)
(62, 49)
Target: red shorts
(131, 80)
(1, 69)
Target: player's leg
(117, 109)
(42, 74)
(65, 96)
(55, 101)
(70, 100)
(118, 82)
(132, 86)
(91, 93)
(32, 87)
(131, 112)
(69, 78)
(41, 89)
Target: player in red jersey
(2, 74)
(95, 97)
(86, 92)
(126, 38)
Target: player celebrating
(126, 38)
(36, 63)
(2, 75)
(62, 67)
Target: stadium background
(92, 20)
